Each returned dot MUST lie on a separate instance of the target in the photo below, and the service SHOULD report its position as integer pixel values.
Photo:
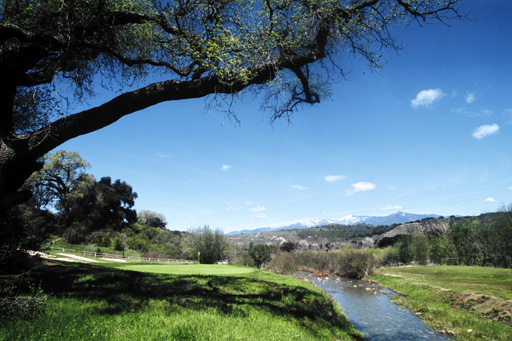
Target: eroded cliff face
(427, 226)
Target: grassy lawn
(465, 302)
(474, 279)
(178, 302)
(187, 269)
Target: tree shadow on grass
(129, 291)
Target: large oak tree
(53, 52)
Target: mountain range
(395, 218)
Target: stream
(372, 311)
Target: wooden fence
(121, 256)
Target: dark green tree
(502, 238)
(177, 50)
(420, 248)
(100, 204)
(405, 251)
(260, 254)
(463, 234)
(288, 246)
(439, 251)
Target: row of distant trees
(485, 241)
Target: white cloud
(510, 188)
(225, 168)
(392, 207)
(258, 209)
(261, 215)
(361, 187)
(230, 208)
(485, 130)
(332, 178)
(470, 98)
(299, 187)
(425, 98)
(490, 200)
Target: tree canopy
(58, 177)
(177, 49)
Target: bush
(284, 264)
(76, 234)
(100, 238)
(358, 264)
(19, 299)
(390, 257)
(118, 244)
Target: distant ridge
(395, 218)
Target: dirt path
(78, 257)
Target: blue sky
(429, 133)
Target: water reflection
(372, 311)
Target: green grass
(178, 302)
(186, 269)
(466, 302)
(478, 280)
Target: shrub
(284, 264)
(118, 244)
(358, 264)
(100, 238)
(19, 300)
(76, 234)
(390, 257)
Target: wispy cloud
(225, 168)
(392, 207)
(470, 98)
(485, 130)
(333, 178)
(258, 209)
(425, 98)
(299, 187)
(491, 200)
(507, 113)
(361, 187)
(230, 208)
(163, 155)
(261, 215)
(469, 113)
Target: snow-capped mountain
(396, 218)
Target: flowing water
(370, 309)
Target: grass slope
(465, 302)
(88, 302)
